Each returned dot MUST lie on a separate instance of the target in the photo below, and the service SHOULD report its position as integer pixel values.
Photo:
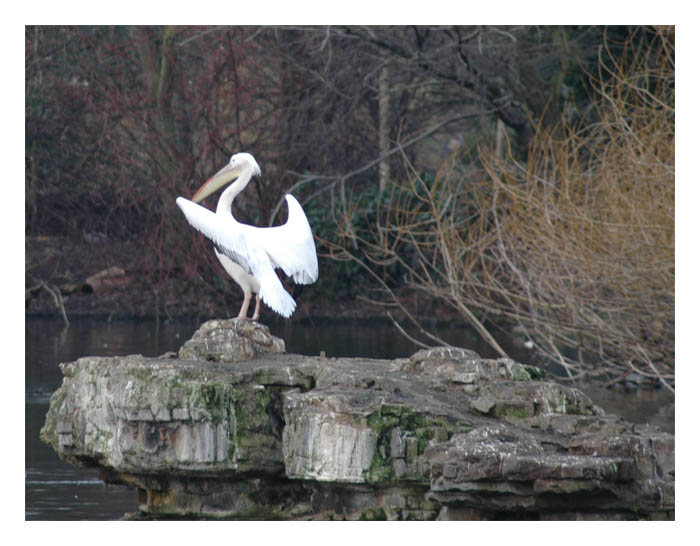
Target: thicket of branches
(575, 243)
(121, 119)
(556, 211)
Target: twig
(374, 302)
(388, 291)
(656, 374)
(58, 300)
(451, 273)
(336, 179)
(398, 327)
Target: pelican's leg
(256, 314)
(243, 313)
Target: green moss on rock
(373, 514)
(416, 429)
(535, 373)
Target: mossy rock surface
(234, 428)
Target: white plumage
(247, 282)
(257, 251)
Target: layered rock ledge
(233, 427)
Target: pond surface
(55, 490)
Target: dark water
(55, 490)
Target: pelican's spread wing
(216, 228)
(233, 240)
(291, 245)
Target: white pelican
(250, 254)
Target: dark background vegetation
(381, 132)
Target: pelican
(250, 254)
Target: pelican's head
(244, 159)
(240, 164)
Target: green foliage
(353, 226)
(345, 278)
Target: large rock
(230, 340)
(235, 428)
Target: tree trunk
(383, 127)
(500, 137)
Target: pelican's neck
(230, 193)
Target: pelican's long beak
(221, 178)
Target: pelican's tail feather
(275, 296)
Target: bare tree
(575, 244)
(120, 120)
